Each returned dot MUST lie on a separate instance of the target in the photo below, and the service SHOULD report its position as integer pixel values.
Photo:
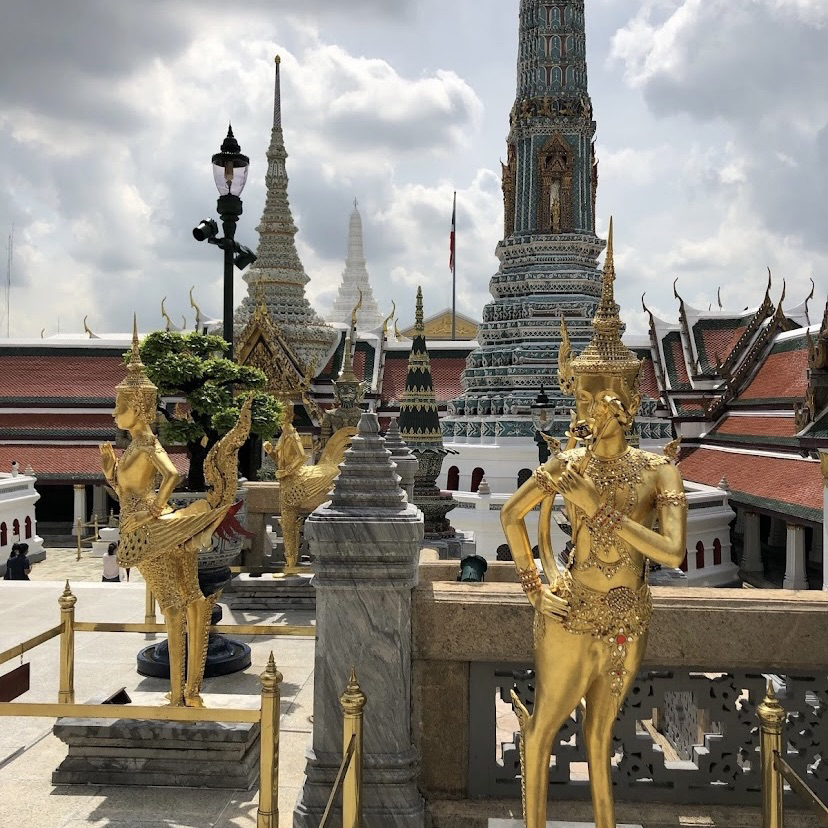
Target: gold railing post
(771, 722)
(67, 601)
(96, 528)
(80, 530)
(352, 701)
(149, 606)
(268, 814)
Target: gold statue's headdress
(142, 392)
(605, 354)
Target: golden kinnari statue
(591, 621)
(301, 487)
(161, 542)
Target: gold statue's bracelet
(530, 579)
(606, 519)
(544, 480)
(155, 510)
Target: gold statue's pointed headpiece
(142, 392)
(605, 354)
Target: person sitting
(18, 565)
(111, 571)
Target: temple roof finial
(418, 313)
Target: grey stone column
(366, 545)
(79, 508)
(402, 455)
(99, 503)
(751, 545)
(796, 576)
(778, 532)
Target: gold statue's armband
(530, 579)
(671, 498)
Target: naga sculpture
(592, 619)
(164, 543)
(302, 487)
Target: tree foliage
(192, 367)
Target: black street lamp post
(230, 168)
(543, 419)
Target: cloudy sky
(712, 140)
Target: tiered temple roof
(355, 288)
(278, 278)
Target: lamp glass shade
(543, 412)
(229, 174)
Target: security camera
(205, 230)
(243, 257)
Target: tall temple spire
(549, 253)
(278, 277)
(355, 279)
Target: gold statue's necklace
(617, 480)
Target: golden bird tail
(334, 452)
(221, 466)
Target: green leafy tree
(192, 366)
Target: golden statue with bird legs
(303, 488)
(164, 543)
(592, 618)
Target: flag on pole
(451, 236)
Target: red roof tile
(648, 382)
(393, 378)
(447, 373)
(677, 352)
(758, 426)
(782, 375)
(58, 376)
(67, 462)
(772, 478)
(720, 342)
(56, 422)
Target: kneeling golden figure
(164, 543)
(591, 621)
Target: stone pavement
(105, 662)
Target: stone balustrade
(687, 734)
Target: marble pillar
(778, 533)
(99, 503)
(79, 512)
(365, 543)
(752, 545)
(796, 574)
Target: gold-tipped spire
(418, 314)
(389, 317)
(142, 392)
(354, 311)
(605, 354)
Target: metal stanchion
(353, 703)
(67, 601)
(268, 814)
(771, 721)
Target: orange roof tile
(648, 382)
(60, 377)
(56, 422)
(794, 482)
(67, 462)
(758, 426)
(782, 375)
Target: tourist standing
(18, 565)
(111, 572)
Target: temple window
(3, 534)
(717, 552)
(28, 524)
(477, 476)
(699, 555)
(523, 476)
(16, 528)
(453, 479)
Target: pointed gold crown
(605, 354)
(142, 392)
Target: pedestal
(273, 591)
(157, 753)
